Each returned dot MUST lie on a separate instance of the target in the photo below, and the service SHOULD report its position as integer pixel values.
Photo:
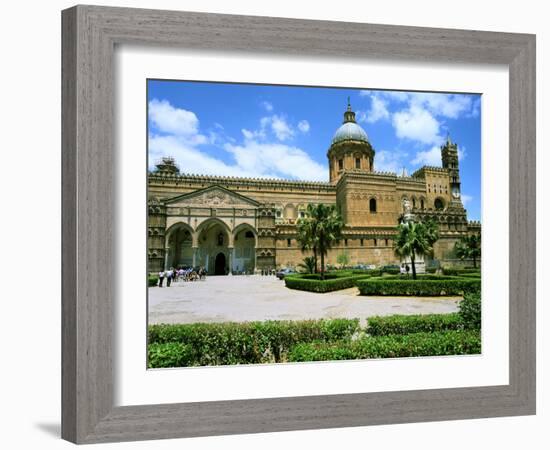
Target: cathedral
(235, 225)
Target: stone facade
(239, 224)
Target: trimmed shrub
(369, 272)
(401, 324)
(419, 287)
(471, 275)
(391, 271)
(431, 269)
(469, 310)
(337, 283)
(242, 343)
(169, 354)
(458, 271)
(452, 342)
(152, 280)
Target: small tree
(306, 228)
(469, 247)
(343, 259)
(308, 264)
(415, 239)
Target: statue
(407, 210)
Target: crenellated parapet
(421, 173)
(193, 180)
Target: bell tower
(449, 160)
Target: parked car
(281, 274)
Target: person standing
(161, 277)
(169, 275)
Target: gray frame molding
(89, 37)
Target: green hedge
(401, 324)
(152, 280)
(469, 310)
(328, 275)
(419, 287)
(302, 283)
(459, 270)
(170, 354)
(420, 276)
(470, 275)
(393, 346)
(239, 343)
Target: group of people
(183, 274)
(404, 269)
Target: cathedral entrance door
(219, 267)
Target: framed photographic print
(264, 230)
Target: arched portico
(214, 239)
(180, 242)
(245, 241)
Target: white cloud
(378, 110)
(303, 126)
(466, 199)
(173, 120)
(416, 124)
(254, 158)
(438, 104)
(189, 158)
(389, 161)
(461, 153)
(445, 105)
(276, 160)
(254, 134)
(431, 157)
(281, 128)
(268, 106)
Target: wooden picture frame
(90, 34)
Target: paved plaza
(257, 298)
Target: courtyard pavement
(257, 298)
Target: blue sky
(285, 131)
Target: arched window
(421, 203)
(372, 205)
(438, 203)
(414, 202)
(357, 163)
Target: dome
(350, 131)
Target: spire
(349, 115)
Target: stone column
(230, 260)
(166, 251)
(194, 256)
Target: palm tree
(432, 231)
(414, 238)
(329, 230)
(308, 264)
(321, 227)
(469, 247)
(307, 233)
